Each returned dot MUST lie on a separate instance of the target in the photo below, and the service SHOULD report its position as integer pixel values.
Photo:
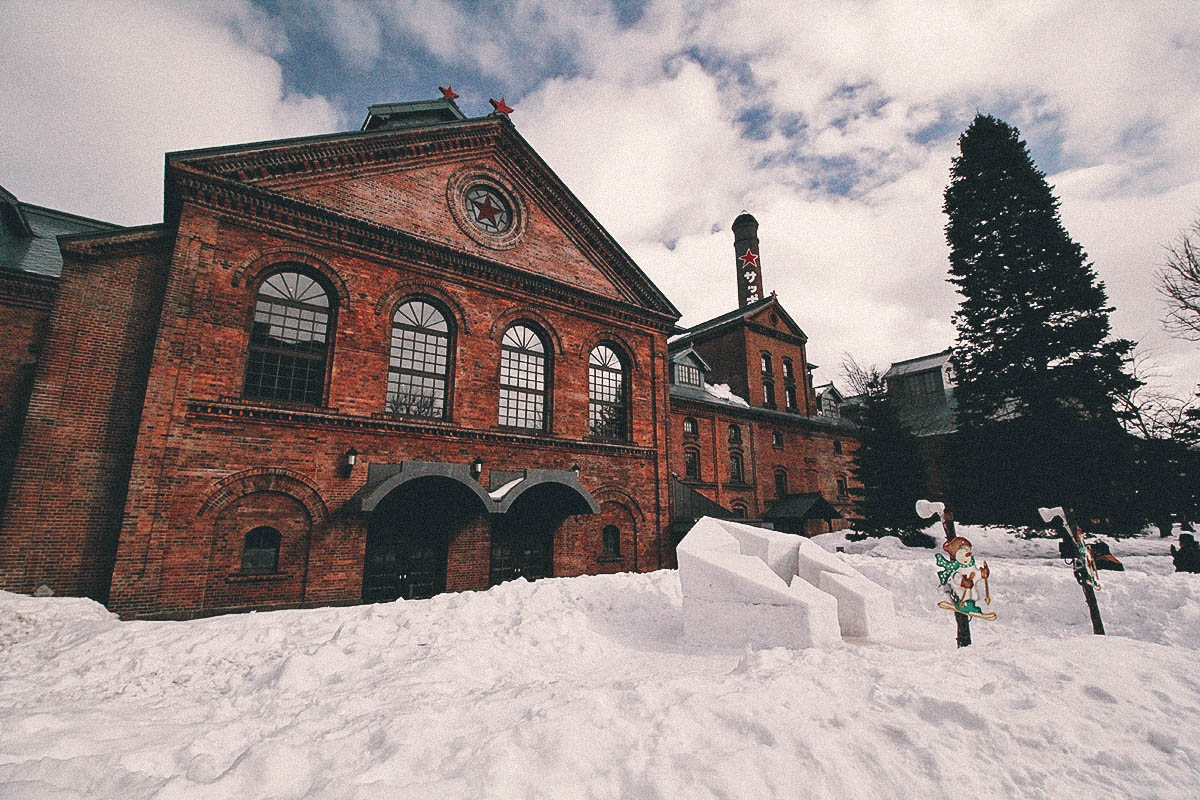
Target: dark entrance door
(520, 554)
(408, 538)
(401, 566)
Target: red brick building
(759, 448)
(377, 364)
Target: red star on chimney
(448, 93)
(500, 106)
(750, 259)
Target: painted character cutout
(960, 577)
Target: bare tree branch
(1179, 283)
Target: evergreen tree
(1037, 372)
(889, 467)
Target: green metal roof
(29, 235)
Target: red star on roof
(486, 210)
(500, 106)
(750, 259)
(448, 93)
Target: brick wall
(25, 304)
(196, 431)
(69, 478)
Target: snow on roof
(499, 494)
(721, 391)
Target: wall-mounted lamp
(575, 469)
(477, 467)
(349, 459)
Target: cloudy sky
(832, 122)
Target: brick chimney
(749, 268)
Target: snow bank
(747, 585)
(588, 687)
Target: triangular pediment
(772, 316)
(473, 187)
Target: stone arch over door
(420, 531)
(527, 540)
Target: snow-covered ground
(587, 688)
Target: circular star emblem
(487, 209)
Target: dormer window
(687, 374)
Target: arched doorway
(408, 538)
(523, 537)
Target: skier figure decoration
(958, 575)
(960, 578)
(1075, 551)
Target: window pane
(419, 366)
(607, 407)
(522, 379)
(286, 358)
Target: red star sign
(500, 106)
(448, 93)
(750, 259)
(486, 210)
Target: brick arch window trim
(524, 379)
(292, 325)
(608, 394)
(420, 361)
(260, 551)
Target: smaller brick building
(759, 447)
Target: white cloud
(88, 110)
(856, 109)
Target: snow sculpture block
(747, 585)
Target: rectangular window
(691, 465)
(687, 374)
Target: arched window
(260, 551)
(735, 434)
(289, 340)
(789, 373)
(739, 510)
(523, 378)
(690, 429)
(419, 369)
(769, 394)
(691, 464)
(789, 394)
(737, 473)
(781, 482)
(611, 540)
(777, 438)
(765, 362)
(608, 403)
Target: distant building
(922, 390)
(744, 415)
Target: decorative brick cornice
(27, 290)
(275, 162)
(226, 410)
(255, 207)
(156, 237)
